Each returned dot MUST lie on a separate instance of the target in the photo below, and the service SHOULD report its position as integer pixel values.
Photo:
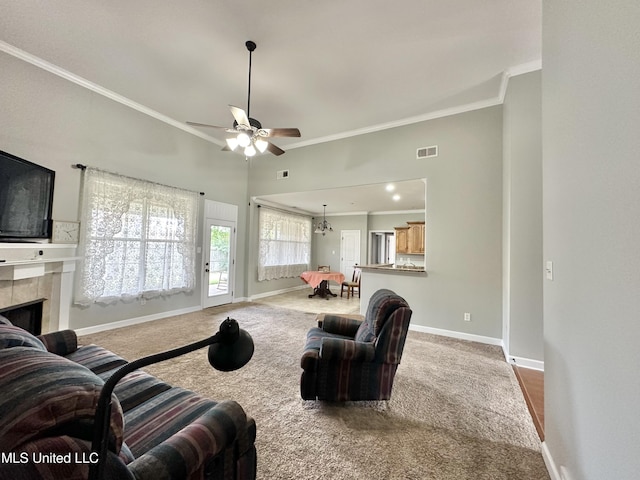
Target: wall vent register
(427, 152)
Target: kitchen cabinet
(410, 239)
(416, 237)
(402, 239)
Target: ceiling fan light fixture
(250, 151)
(232, 143)
(261, 145)
(243, 139)
(247, 130)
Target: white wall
(522, 220)
(591, 178)
(53, 122)
(463, 208)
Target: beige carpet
(456, 410)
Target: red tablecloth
(314, 278)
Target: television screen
(26, 198)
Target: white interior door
(219, 262)
(349, 251)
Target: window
(284, 244)
(137, 239)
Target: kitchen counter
(390, 268)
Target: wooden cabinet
(410, 239)
(402, 239)
(416, 237)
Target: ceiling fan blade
(274, 149)
(281, 132)
(240, 116)
(196, 124)
(226, 148)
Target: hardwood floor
(532, 385)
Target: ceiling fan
(248, 133)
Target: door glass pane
(219, 260)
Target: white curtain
(284, 244)
(137, 239)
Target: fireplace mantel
(24, 253)
(27, 262)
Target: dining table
(319, 281)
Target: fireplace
(27, 315)
(37, 278)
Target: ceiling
(333, 69)
(373, 198)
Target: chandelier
(323, 227)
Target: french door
(219, 262)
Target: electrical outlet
(467, 317)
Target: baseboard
(277, 292)
(525, 362)
(135, 321)
(459, 335)
(554, 473)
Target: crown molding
(400, 123)
(94, 87)
(83, 82)
(490, 102)
(373, 212)
(278, 206)
(399, 212)
(514, 72)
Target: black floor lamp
(229, 349)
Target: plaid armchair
(353, 359)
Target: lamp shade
(234, 350)
(244, 140)
(261, 145)
(232, 142)
(250, 151)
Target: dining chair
(352, 285)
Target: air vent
(427, 152)
(281, 174)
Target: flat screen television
(26, 199)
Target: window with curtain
(284, 244)
(137, 239)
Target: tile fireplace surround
(30, 271)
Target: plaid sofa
(348, 358)
(49, 387)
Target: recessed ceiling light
(390, 187)
(396, 197)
